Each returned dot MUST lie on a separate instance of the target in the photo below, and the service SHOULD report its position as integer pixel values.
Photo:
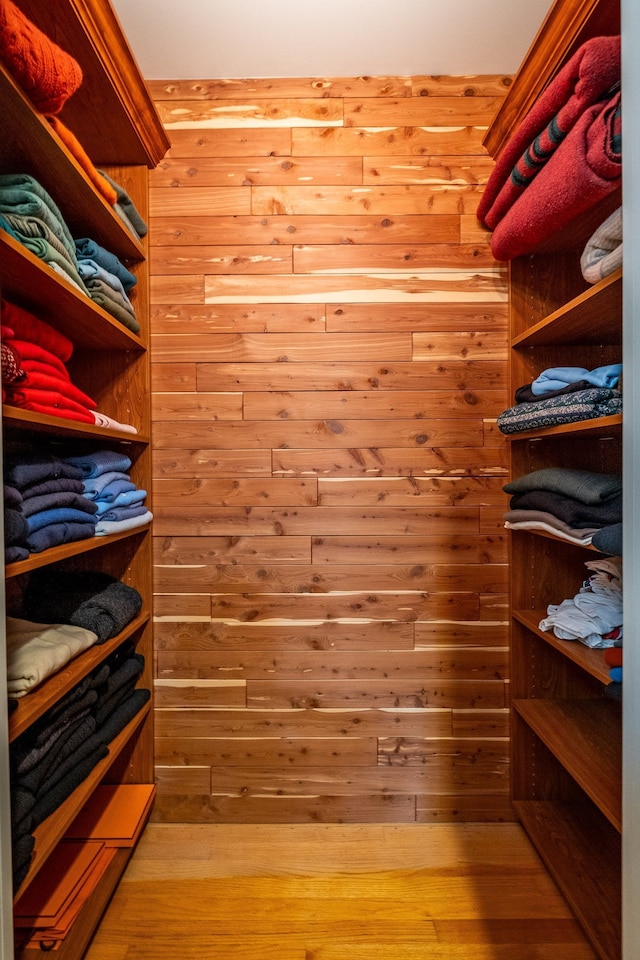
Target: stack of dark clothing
(45, 505)
(564, 395)
(90, 599)
(579, 506)
(58, 752)
(41, 354)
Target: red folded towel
(26, 326)
(585, 79)
(46, 73)
(583, 171)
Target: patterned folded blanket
(553, 411)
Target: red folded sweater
(39, 381)
(26, 326)
(46, 72)
(31, 353)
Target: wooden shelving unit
(112, 115)
(566, 733)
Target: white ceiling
(216, 39)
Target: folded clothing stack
(564, 395)
(88, 599)
(42, 353)
(579, 506)
(47, 492)
(59, 751)
(119, 504)
(563, 158)
(594, 615)
(35, 650)
(602, 254)
(33, 217)
(107, 280)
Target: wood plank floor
(337, 892)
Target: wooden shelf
(114, 119)
(590, 660)
(44, 423)
(592, 317)
(582, 852)
(112, 112)
(30, 281)
(585, 736)
(566, 733)
(599, 428)
(67, 550)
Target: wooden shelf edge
(546, 330)
(583, 855)
(67, 550)
(50, 831)
(591, 661)
(25, 276)
(580, 426)
(45, 423)
(34, 704)
(585, 737)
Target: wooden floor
(337, 892)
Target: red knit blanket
(584, 80)
(583, 171)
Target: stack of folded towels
(579, 506)
(118, 502)
(564, 395)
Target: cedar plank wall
(329, 358)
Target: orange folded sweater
(47, 73)
(76, 149)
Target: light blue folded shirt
(557, 378)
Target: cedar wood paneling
(329, 358)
